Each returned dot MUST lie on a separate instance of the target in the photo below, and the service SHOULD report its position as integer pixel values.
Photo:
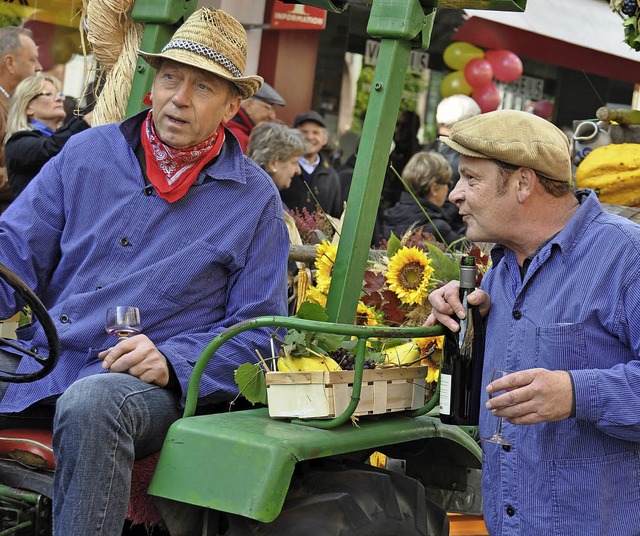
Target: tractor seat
(32, 449)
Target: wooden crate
(321, 394)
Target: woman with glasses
(35, 131)
(427, 176)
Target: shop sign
(418, 61)
(297, 17)
(527, 86)
(58, 12)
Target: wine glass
(123, 321)
(497, 436)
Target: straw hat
(213, 41)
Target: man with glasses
(254, 110)
(18, 59)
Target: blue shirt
(88, 233)
(577, 309)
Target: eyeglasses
(48, 94)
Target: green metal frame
(242, 462)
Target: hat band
(201, 50)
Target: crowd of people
(177, 210)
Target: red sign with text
(297, 17)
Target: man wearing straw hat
(561, 307)
(162, 212)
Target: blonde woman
(427, 175)
(34, 128)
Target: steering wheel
(40, 312)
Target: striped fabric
(578, 309)
(88, 234)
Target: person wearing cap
(253, 111)
(168, 215)
(561, 310)
(318, 183)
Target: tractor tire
(362, 501)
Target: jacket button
(510, 511)
(34, 349)
(517, 315)
(98, 287)
(124, 241)
(506, 448)
(64, 319)
(148, 191)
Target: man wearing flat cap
(166, 215)
(561, 308)
(318, 183)
(254, 110)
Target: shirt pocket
(609, 507)
(561, 346)
(193, 271)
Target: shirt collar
(41, 127)
(566, 238)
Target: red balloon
(478, 72)
(487, 97)
(507, 67)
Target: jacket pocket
(610, 507)
(561, 346)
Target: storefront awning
(576, 34)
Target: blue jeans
(102, 424)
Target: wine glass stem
(499, 430)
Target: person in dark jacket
(427, 175)
(254, 111)
(318, 183)
(34, 131)
(449, 112)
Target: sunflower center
(410, 275)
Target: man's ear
(527, 179)
(233, 105)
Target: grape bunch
(629, 7)
(347, 360)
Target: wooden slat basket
(320, 394)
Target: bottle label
(445, 394)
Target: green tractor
(245, 473)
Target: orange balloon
(455, 84)
(456, 55)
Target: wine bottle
(462, 357)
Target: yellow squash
(613, 172)
(307, 364)
(402, 355)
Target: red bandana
(173, 171)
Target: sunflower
(315, 296)
(325, 259)
(367, 316)
(408, 275)
(433, 373)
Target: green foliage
(251, 382)
(414, 84)
(443, 265)
(393, 245)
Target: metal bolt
(378, 86)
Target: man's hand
(445, 302)
(139, 357)
(534, 395)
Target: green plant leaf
(445, 268)
(251, 382)
(312, 311)
(393, 245)
(329, 341)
